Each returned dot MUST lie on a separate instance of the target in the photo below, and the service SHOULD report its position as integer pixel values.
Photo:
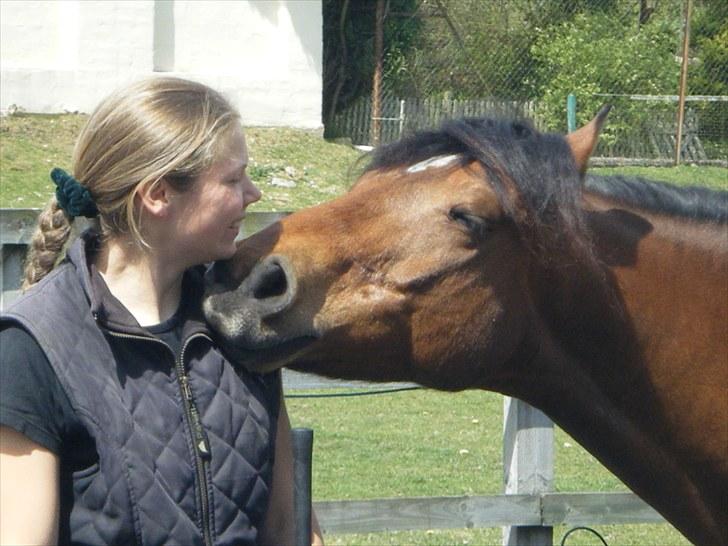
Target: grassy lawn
(31, 145)
(683, 175)
(420, 443)
(428, 443)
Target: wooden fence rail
(424, 513)
(401, 116)
(529, 508)
(651, 141)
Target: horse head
(423, 271)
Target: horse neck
(614, 341)
(670, 274)
(634, 453)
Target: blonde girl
(121, 422)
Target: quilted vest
(185, 445)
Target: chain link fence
(394, 66)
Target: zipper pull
(186, 391)
(203, 445)
(201, 442)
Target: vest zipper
(199, 437)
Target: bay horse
(475, 256)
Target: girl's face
(206, 218)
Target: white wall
(66, 55)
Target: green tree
(597, 54)
(348, 47)
(709, 49)
(708, 71)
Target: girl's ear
(155, 198)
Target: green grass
(31, 145)
(615, 535)
(682, 175)
(427, 443)
(320, 169)
(419, 443)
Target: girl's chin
(226, 251)
(215, 253)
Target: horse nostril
(271, 282)
(269, 289)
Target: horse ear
(583, 141)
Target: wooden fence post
(683, 81)
(528, 464)
(376, 133)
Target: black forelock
(533, 173)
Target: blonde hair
(159, 128)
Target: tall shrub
(597, 53)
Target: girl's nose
(251, 193)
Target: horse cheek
(495, 334)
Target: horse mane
(538, 183)
(695, 203)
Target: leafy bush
(596, 54)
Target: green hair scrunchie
(72, 197)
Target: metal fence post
(302, 440)
(571, 112)
(401, 117)
(528, 464)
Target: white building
(65, 55)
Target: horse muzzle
(241, 314)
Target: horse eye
(475, 224)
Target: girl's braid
(46, 246)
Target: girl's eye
(476, 225)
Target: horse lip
(267, 358)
